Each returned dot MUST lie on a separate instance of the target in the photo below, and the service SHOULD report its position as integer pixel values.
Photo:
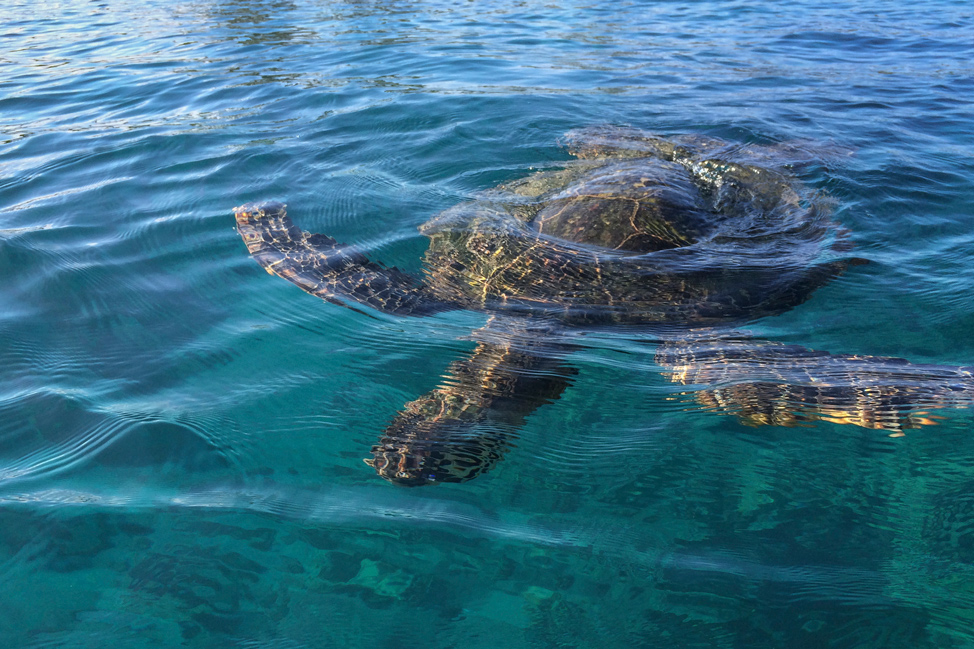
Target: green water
(182, 435)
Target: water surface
(181, 435)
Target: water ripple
(164, 406)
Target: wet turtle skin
(491, 392)
(686, 233)
(766, 383)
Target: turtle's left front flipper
(463, 427)
(330, 270)
(787, 385)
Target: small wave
(45, 433)
(381, 509)
(40, 200)
(57, 457)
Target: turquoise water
(182, 435)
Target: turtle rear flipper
(330, 270)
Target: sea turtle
(684, 234)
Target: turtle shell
(674, 234)
(688, 231)
(636, 207)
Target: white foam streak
(380, 507)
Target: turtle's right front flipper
(765, 382)
(325, 268)
(462, 428)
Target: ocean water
(182, 434)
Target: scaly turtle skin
(686, 232)
(765, 383)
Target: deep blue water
(181, 434)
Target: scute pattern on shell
(684, 234)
